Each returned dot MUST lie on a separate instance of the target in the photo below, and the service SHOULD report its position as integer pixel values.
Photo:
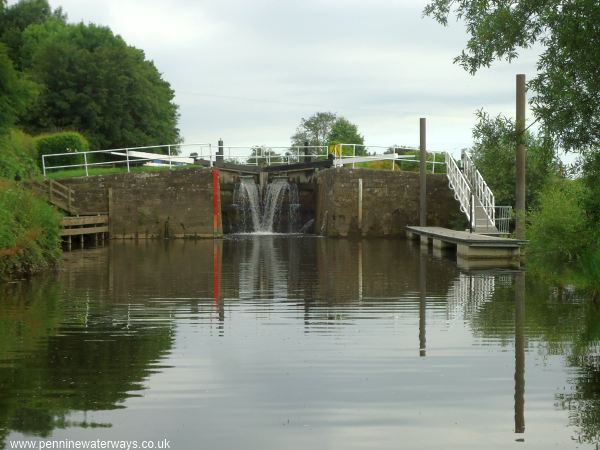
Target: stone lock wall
(390, 202)
(162, 204)
(179, 203)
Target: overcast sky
(249, 70)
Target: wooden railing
(78, 225)
(82, 226)
(56, 193)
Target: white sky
(248, 71)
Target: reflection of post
(520, 353)
(217, 245)
(360, 272)
(215, 273)
(422, 302)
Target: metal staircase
(475, 197)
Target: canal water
(292, 342)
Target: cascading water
(263, 211)
(246, 200)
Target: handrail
(460, 186)
(480, 188)
(56, 193)
(129, 154)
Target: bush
(29, 231)
(18, 155)
(558, 228)
(61, 142)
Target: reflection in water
(294, 342)
(58, 357)
(519, 353)
(422, 303)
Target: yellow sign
(336, 149)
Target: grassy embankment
(29, 227)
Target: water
(264, 212)
(271, 342)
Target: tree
(314, 130)
(345, 132)
(567, 86)
(494, 155)
(16, 93)
(17, 17)
(262, 155)
(326, 128)
(96, 84)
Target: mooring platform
(468, 245)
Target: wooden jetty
(469, 246)
(95, 226)
(77, 224)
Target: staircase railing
(460, 186)
(56, 193)
(479, 188)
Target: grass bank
(29, 232)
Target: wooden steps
(76, 224)
(55, 193)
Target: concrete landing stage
(469, 246)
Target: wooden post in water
(360, 205)
(520, 158)
(110, 211)
(423, 173)
(216, 191)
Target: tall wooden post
(360, 205)
(520, 159)
(216, 194)
(110, 213)
(423, 174)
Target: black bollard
(220, 151)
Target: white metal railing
(460, 186)
(503, 218)
(358, 153)
(182, 154)
(268, 156)
(174, 156)
(479, 188)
